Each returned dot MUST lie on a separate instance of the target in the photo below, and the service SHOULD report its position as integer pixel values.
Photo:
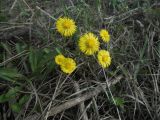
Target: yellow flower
(105, 35)
(104, 58)
(68, 65)
(88, 44)
(65, 26)
(59, 59)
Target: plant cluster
(88, 44)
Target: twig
(108, 87)
(124, 16)
(33, 117)
(58, 86)
(13, 5)
(81, 106)
(14, 57)
(84, 97)
(46, 13)
(96, 109)
(13, 32)
(77, 100)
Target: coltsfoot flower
(104, 58)
(68, 65)
(59, 59)
(65, 26)
(105, 35)
(88, 44)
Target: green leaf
(24, 99)
(12, 92)
(58, 50)
(119, 101)
(3, 98)
(3, 17)
(6, 47)
(9, 74)
(20, 47)
(12, 73)
(33, 60)
(41, 60)
(46, 50)
(16, 107)
(9, 95)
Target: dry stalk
(78, 100)
(75, 101)
(81, 106)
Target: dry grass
(29, 42)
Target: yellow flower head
(88, 44)
(68, 65)
(104, 58)
(59, 59)
(105, 35)
(65, 26)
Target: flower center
(66, 25)
(106, 35)
(68, 65)
(90, 44)
(104, 58)
(60, 60)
